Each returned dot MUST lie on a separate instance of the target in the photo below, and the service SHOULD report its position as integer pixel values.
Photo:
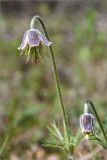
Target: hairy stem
(98, 119)
(38, 18)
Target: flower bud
(86, 121)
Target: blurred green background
(28, 99)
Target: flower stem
(38, 18)
(98, 119)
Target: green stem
(38, 18)
(98, 119)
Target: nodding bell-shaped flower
(86, 121)
(32, 45)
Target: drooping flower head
(86, 121)
(32, 45)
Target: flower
(86, 121)
(33, 45)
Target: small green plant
(64, 140)
(32, 47)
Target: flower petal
(86, 122)
(44, 39)
(24, 41)
(33, 38)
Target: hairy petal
(33, 38)
(44, 39)
(24, 41)
(86, 122)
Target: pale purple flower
(33, 43)
(86, 121)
